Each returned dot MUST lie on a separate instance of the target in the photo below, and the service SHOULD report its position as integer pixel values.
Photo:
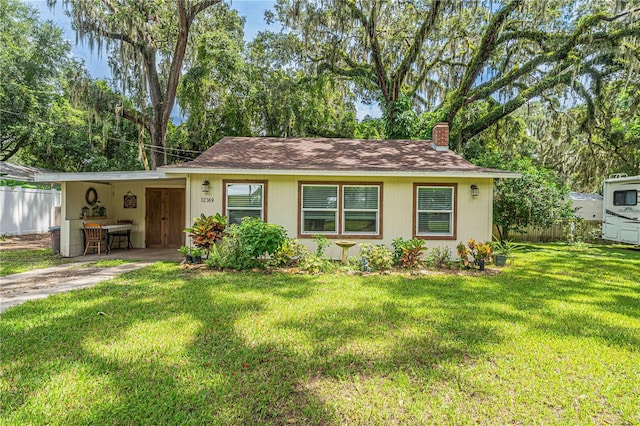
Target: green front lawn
(16, 261)
(554, 339)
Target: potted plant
(186, 253)
(207, 230)
(480, 251)
(503, 251)
(482, 254)
(97, 209)
(196, 254)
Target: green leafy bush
(258, 238)
(322, 243)
(439, 257)
(214, 261)
(408, 253)
(506, 248)
(315, 264)
(290, 252)
(379, 257)
(232, 254)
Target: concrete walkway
(37, 284)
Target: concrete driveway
(37, 284)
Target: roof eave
(102, 176)
(360, 173)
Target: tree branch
(560, 75)
(403, 68)
(108, 34)
(199, 7)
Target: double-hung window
(319, 209)
(340, 209)
(435, 211)
(360, 207)
(244, 199)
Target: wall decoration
(130, 200)
(91, 196)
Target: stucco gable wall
(474, 215)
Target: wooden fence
(557, 232)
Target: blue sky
(252, 10)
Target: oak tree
(147, 41)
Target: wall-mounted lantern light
(475, 191)
(205, 187)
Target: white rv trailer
(621, 209)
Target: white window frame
(262, 201)
(345, 210)
(451, 212)
(303, 209)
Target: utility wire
(146, 145)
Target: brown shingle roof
(265, 153)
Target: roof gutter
(102, 176)
(360, 173)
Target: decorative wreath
(91, 196)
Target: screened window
(319, 209)
(434, 211)
(625, 198)
(360, 207)
(244, 200)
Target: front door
(164, 222)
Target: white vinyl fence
(28, 211)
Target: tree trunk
(158, 135)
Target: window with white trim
(340, 209)
(244, 199)
(319, 209)
(360, 207)
(434, 211)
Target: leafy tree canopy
(445, 57)
(33, 57)
(147, 41)
(536, 199)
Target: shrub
(378, 257)
(232, 254)
(315, 264)
(322, 243)
(439, 257)
(463, 253)
(207, 230)
(478, 250)
(258, 238)
(214, 261)
(506, 248)
(290, 252)
(408, 253)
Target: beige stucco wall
(112, 197)
(474, 215)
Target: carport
(154, 201)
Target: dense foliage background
(554, 82)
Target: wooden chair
(93, 237)
(121, 234)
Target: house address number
(206, 199)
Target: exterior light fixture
(475, 191)
(205, 187)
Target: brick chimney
(440, 136)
